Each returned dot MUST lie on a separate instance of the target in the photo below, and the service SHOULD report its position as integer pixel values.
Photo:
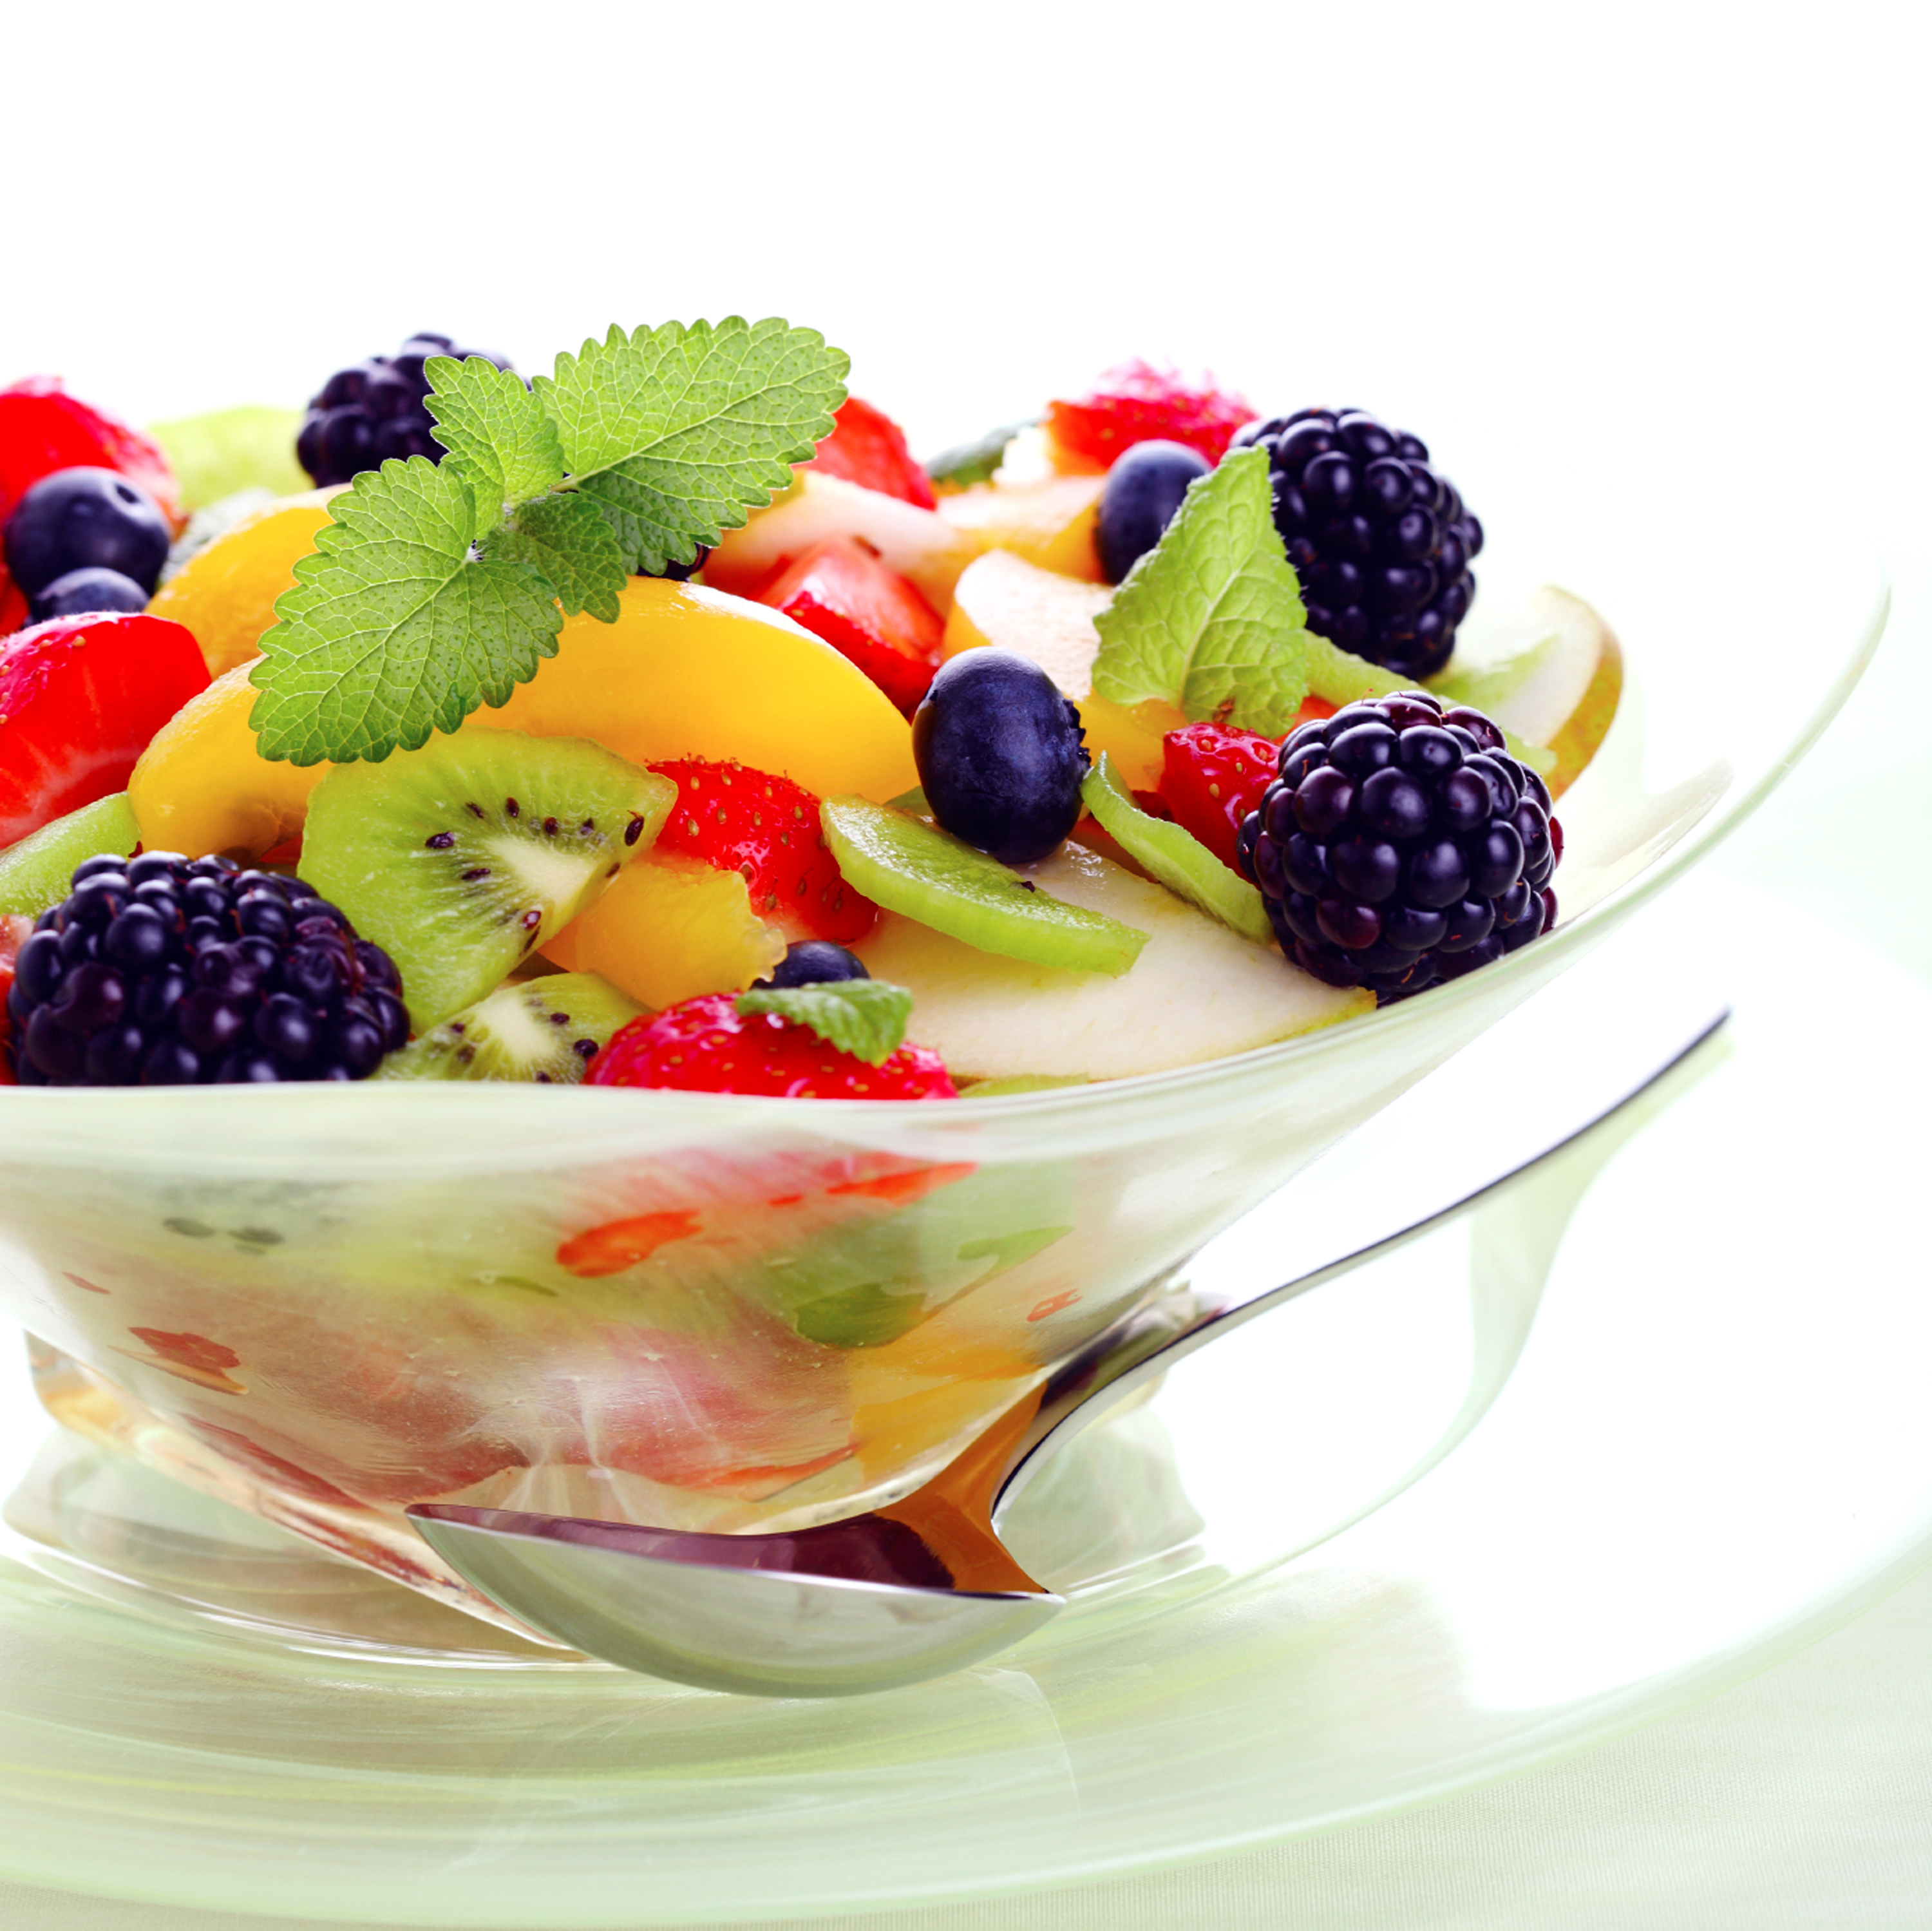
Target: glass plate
(1711, 1450)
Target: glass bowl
(325, 1303)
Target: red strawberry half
(767, 828)
(868, 448)
(705, 1046)
(79, 698)
(1213, 775)
(43, 429)
(1138, 403)
(840, 592)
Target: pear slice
(1172, 855)
(1198, 990)
(1003, 599)
(1553, 674)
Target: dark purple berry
(815, 962)
(1000, 755)
(84, 592)
(157, 970)
(1143, 490)
(1380, 542)
(1401, 845)
(362, 416)
(85, 519)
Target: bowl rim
(605, 1108)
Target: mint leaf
(1210, 620)
(391, 632)
(565, 540)
(974, 462)
(675, 433)
(499, 440)
(865, 1017)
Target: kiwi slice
(38, 871)
(908, 865)
(1172, 856)
(547, 1030)
(461, 859)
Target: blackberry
(1380, 540)
(159, 970)
(363, 415)
(1401, 845)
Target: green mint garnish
(565, 540)
(437, 587)
(1210, 620)
(393, 630)
(499, 440)
(974, 462)
(675, 432)
(865, 1017)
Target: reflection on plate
(1710, 1449)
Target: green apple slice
(910, 866)
(230, 450)
(1553, 674)
(1172, 855)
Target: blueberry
(1143, 490)
(82, 592)
(84, 519)
(1000, 755)
(815, 962)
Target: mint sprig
(674, 432)
(393, 629)
(439, 587)
(865, 1017)
(1211, 620)
(499, 440)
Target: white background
(1699, 230)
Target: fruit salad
(663, 725)
(1125, 738)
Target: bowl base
(146, 1534)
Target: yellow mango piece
(1003, 599)
(1049, 522)
(690, 672)
(225, 593)
(201, 785)
(669, 928)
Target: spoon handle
(1455, 1138)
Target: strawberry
(840, 592)
(868, 448)
(43, 429)
(767, 828)
(1135, 402)
(1213, 775)
(706, 1046)
(79, 698)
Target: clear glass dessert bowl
(327, 1302)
